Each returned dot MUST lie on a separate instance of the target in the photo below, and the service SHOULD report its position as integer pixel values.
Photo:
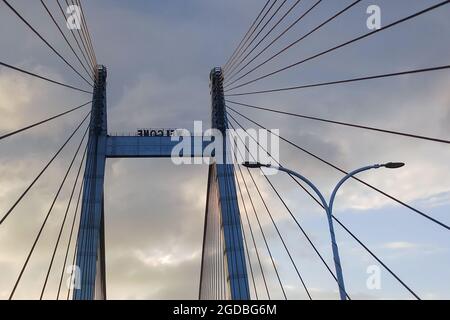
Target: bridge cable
(271, 218)
(86, 191)
(273, 221)
(43, 121)
(66, 40)
(264, 237)
(230, 172)
(398, 22)
(207, 262)
(46, 42)
(63, 222)
(291, 214)
(238, 59)
(250, 37)
(245, 242)
(75, 215)
(46, 217)
(85, 32)
(203, 270)
(281, 237)
(274, 224)
(89, 38)
(253, 239)
(376, 258)
(341, 224)
(81, 34)
(42, 171)
(82, 244)
(75, 38)
(213, 279)
(345, 172)
(229, 78)
(92, 62)
(296, 41)
(410, 135)
(373, 77)
(267, 245)
(245, 36)
(82, 31)
(262, 39)
(205, 223)
(88, 53)
(43, 78)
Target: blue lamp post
(328, 206)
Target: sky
(159, 55)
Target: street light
(329, 207)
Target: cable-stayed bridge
(233, 264)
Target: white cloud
(157, 258)
(400, 245)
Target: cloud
(156, 258)
(404, 248)
(400, 245)
(159, 55)
(437, 200)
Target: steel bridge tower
(222, 216)
(91, 243)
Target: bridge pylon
(224, 268)
(90, 282)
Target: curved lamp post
(328, 206)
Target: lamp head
(254, 165)
(394, 165)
